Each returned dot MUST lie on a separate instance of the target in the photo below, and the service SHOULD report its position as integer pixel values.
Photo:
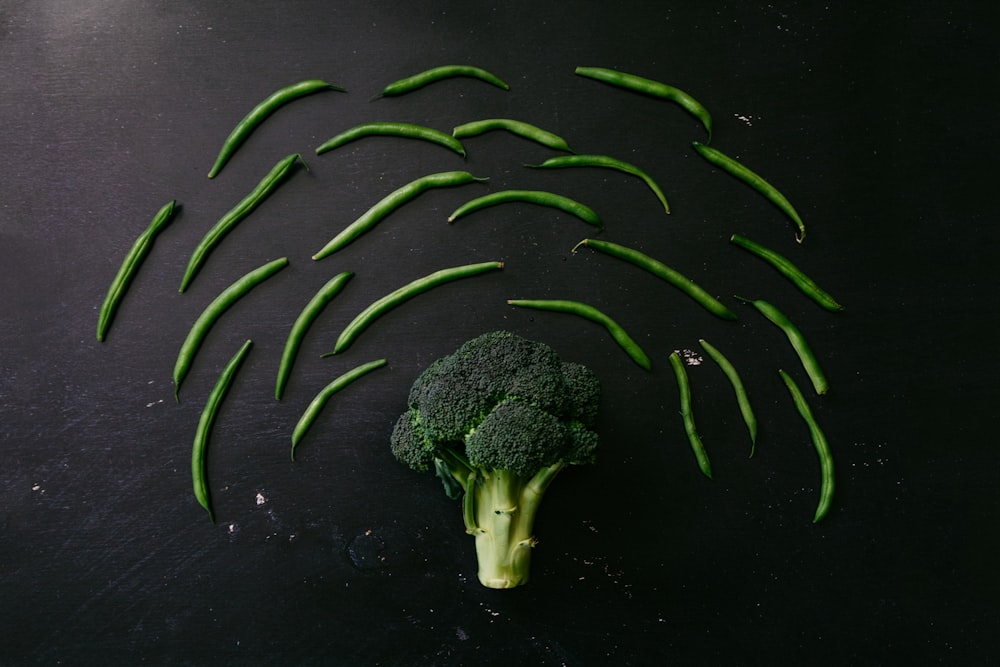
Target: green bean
(517, 127)
(661, 270)
(652, 88)
(609, 163)
(246, 206)
(594, 315)
(386, 129)
(264, 109)
(742, 397)
(798, 341)
(200, 449)
(405, 293)
(219, 305)
(391, 202)
(421, 79)
(684, 386)
(749, 177)
(819, 442)
(539, 197)
(316, 405)
(302, 324)
(130, 266)
(790, 271)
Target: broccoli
(497, 420)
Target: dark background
(878, 122)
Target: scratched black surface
(877, 123)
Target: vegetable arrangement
(502, 416)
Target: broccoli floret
(497, 420)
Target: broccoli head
(497, 420)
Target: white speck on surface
(260, 498)
(746, 118)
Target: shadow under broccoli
(497, 420)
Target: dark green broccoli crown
(506, 402)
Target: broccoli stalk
(498, 420)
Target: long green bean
(539, 197)
(214, 236)
(516, 127)
(607, 162)
(130, 266)
(742, 397)
(264, 109)
(199, 450)
(320, 400)
(212, 312)
(751, 178)
(302, 324)
(392, 129)
(687, 414)
(652, 88)
(661, 270)
(790, 271)
(426, 77)
(809, 361)
(819, 442)
(591, 313)
(405, 293)
(391, 202)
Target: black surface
(876, 122)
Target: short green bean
(661, 270)
(539, 197)
(320, 400)
(819, 442)
(421, 79)
(653, 89)
(771, 193)
(517, 127)
(214, 310)
(199, 450)
(809, 361)
(742, 397)
(264, 109)
(687, 414)
(607, 162)
(591, 313)
(790, 271)
(214, 236)
(389, 129)
(302, 324)
(130, 266)
(391, 202)
(405, 293)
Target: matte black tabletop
(876, 122)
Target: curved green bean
(391, 202)
(687, 414)
(653, 89)
(264, 109)
(212, 312)
(421, 79)
(405, 293)
(790, 271)
(302, 324)
(517, 127)
(214, 236)
(819, 442)
(586, 311)
(539, 197)
(389, 129)
(771, 193)
(661, 270)
(742, 397)
(130, 266)
(607, 162)
(320, 400)
(809, 361)
(199, 450)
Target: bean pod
(687, 415)
(429, 76)
(390, 129)
(819, 443)
(790, 271)
(538, 197)
(607, 162)
(742, 397)
(516, 127)
(809, 361)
